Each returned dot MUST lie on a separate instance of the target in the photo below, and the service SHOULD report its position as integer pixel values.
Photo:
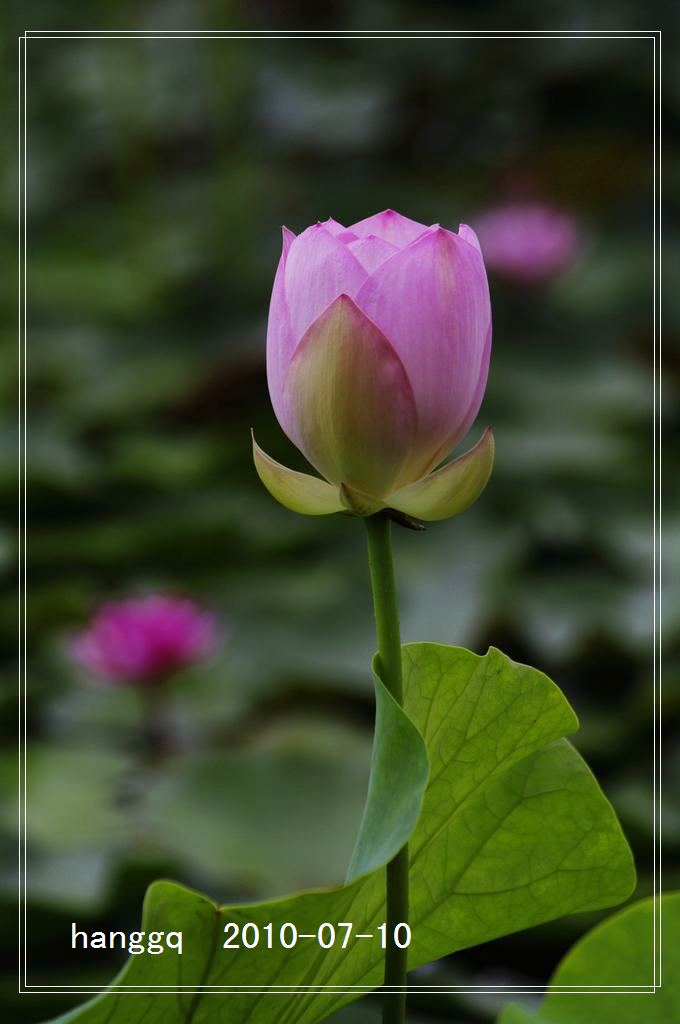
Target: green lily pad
(513, 831)
(274, 815)
(89, 819)
(617, 952)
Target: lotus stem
(381, 567)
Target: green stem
(155, 732)
(389, 661)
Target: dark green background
(159, 174)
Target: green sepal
(358, 503)
(451, 489)
(298, 492)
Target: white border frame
(357, 990)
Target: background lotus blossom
(142, 640)
(377, 359)
(528, 242)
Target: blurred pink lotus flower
(142, 640)
(528, 242)
(377, 359)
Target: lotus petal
(319, 267)
(353, 404)
(390, 226)
(431, 300)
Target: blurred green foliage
(159, 172)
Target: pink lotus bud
(528, 242)
(377, 358)
(141, 641)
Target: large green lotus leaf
(513, 831)
(619, 951)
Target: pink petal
(431, 301)
(390, 226)
(528, 242)
(141, 640)
(346, 236)
(280, 338)
(334, 227)
(478, 395)
(461, 429)
(318, 269)
(467, 234)
(371, 251)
